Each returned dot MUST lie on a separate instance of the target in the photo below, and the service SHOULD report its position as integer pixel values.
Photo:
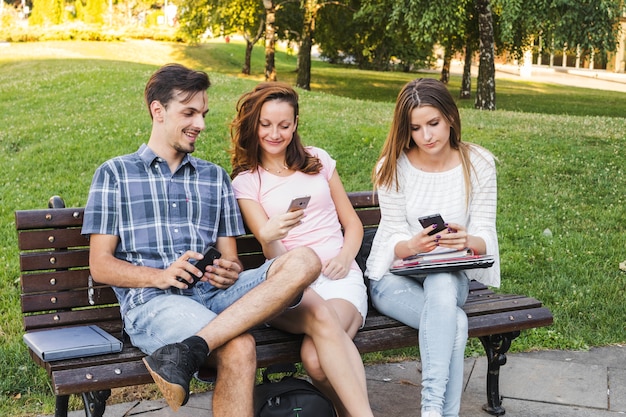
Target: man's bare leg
(236, 373)
(286, 279)
(172, 366)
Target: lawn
(67, 107)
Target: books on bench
(443, 261)
(71, 342)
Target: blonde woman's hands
(453, 237)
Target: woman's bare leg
(329, 353)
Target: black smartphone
(428, 221)
(299, 203)
(209, 256)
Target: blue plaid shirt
(158, 215)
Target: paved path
(535, 384)
(584, 78)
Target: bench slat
(71, 318)
(53, 281)
(51, 239)
(498, 304)
(42, 219)
(100, 377)
(67, 299)
(35, 261)
(360, 199)
(509, 321)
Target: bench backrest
(57, 290)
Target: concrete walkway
(535, 384)
(575, 77)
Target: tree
(270, 40)
(310, 9)
(365, 33)
(245, 17)
(587, 24)
(486, 88)
(47, 12)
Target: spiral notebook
(71, 342)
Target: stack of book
(441, 261)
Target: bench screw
(118, 371)
(76, 215)
(53, 300)
(53, 281)
(51, 239)
(89, 376)
(56, 318)
(511, 318)
(53, 260)
(48, 216)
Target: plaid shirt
(158, 215)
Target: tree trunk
(246, 63)
(486, 89)
(466, 81)
(303, 79)
(249, 45)
(445, 69)
(270, 40)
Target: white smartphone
(299, 203)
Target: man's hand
(223, 273)
(182, 269)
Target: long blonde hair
(419, 93)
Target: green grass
(560, 150)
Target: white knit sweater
(423, 193)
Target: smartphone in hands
(428, 221)
(299, 203)
(209, 256)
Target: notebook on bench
(71, 342)
(450, 261)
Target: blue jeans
(171, 318)
(431, 304)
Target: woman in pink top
(270, 168)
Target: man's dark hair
(171, 78)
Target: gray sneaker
(172, 368)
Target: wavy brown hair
(245, 148)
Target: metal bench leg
(95, 402)
(60, 408)
(496, 347)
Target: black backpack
(289, 396)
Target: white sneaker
(430, 413)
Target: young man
(148, 214)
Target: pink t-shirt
(320, 229)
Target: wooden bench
(57, 292)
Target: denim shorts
(171, 318)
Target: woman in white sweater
(424, 168)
